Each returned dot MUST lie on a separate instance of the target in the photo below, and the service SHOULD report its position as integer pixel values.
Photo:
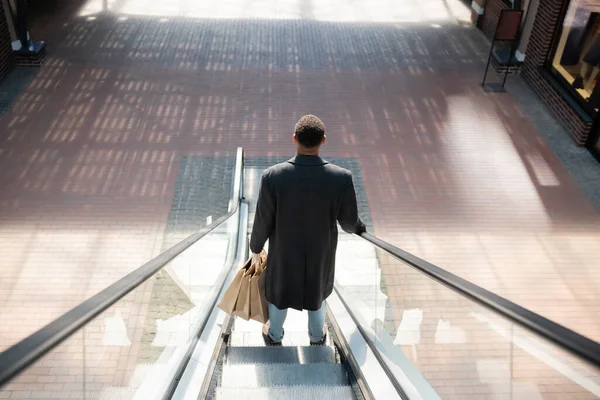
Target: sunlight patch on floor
(505, 188)
(381, 11)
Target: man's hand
(256, 266)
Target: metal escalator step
(262, 375)
(281, 355)
(254, 339)
(287, 393)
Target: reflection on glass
(449, 346)
(577, 57)
(134, 348)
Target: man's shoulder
(286, 167)
(277, 168)
(275, 171)
(336, 169)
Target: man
(299, 204)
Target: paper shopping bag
(242, 307)
(230, 298)
(259, 308)
(236, 300)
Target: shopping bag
(230, 297)
(259, 308)
(242, 307)
(236, 300)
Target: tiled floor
(91, 145)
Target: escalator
(245, 368)
(248, 369)
(420, 333)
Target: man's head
(309, 133)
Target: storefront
(576, 60)
(560, 49)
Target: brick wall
(475, 17)
(549, 14)
(487, 23)
(490, 16)
(6, 55)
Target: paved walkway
(92, 144)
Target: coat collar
(307, 160)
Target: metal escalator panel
(136, 347)
(295, 370)
(440, 343)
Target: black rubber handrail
(17, 358)
(568, 340)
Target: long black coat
(299, 204)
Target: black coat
(299, 204)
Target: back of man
(300, 203)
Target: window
(577, 58)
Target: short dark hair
(310, 131)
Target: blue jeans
(316, 322)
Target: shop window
(577, 57)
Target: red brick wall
(549, 14)
(475, 17)
(6, 55)
(490, 16)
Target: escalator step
(282, 355)
(263, 375)
(287, 393)
(255, 339)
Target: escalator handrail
(17, 358)
(572, 342)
